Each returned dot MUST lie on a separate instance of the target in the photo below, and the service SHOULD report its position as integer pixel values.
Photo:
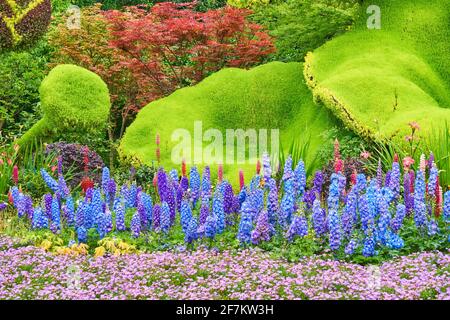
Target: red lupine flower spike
(258, 167)
(241, 179)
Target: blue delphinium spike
(62, 187)
(49, 181)
(272, 202)
(420, 214)
(105, 179)
(174, 178)
(185, 215)
(120, 215)
(419, 188)
(351, 246)
(245, 225)
(349, 214)
(287, 170)
(300, 178)
(433, 228)
(333, 193)
(397, 222)
(165, 217)
(210, 226)
(80, 214)
(369, 246)
(55, 224)
(206, 182)
(218, 212)
(287, 205)
(334, 225)
(394, 180)
(361, 183)
(384, 220)
(432, 180)
(194, 184)
(394, 241)
(136, 225)
(40, 220)
(70, 211)
(82, 234)
(191, 232)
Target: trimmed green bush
(271, 96)
(377, 81)
(22, 22)
(72, 99)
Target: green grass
(377, 81)
(270, 96)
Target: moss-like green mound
(377, 81)
(72, 99)
(271, 96)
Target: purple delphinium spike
(210, 226)
(165, 217)
(299, 226)
(387, 180)
(318, 182)
(319, 219)
(156, 216)
(351, 246)
(228, 196)
(379, 174)
(267, 169)
(263, 229)
(204, 211)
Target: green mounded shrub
(73, 99)
(23, 22)
(377, 81)
(270, 96)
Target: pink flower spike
(15, 175)
(220, 173)
(241, 179)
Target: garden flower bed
(30, 272)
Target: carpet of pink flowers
(29, 272)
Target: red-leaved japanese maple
(172, 45)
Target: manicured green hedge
(377, 81)
(270, 96)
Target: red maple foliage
(172, 45)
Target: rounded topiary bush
(22, 22)
(73, 99)
(73, 96)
